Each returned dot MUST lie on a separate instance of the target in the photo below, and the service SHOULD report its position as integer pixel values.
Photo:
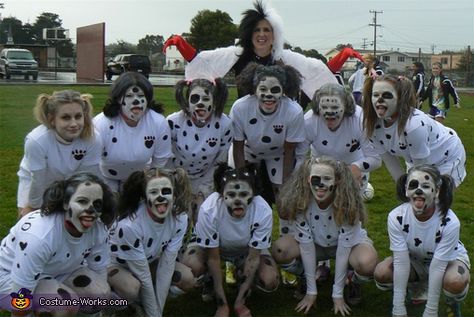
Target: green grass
(16, 120)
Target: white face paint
(269, 92)
(421, 190)
(237, 196)
(85, 206)
(322, 181)
(159, 197)
(201, 104)
(134, 103)
(384, 100)
(331, 109)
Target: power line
(374, 24)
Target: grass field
(16, 120)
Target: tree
(47, 20)
(121, 47)
(315, 54)
(150, 44)
(339, 47)
(21, 33)
(212, 29)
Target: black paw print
(402, 146)
(149, 140)
(354, 145)
(417, 242)
(79, 154)
(212, 142)
(278, 128)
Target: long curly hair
(134, 190)
(59, 193)
(444, 183)
(406, 103)
(332, 89)
(295, 195)
(288, 76)
(218, 89)
(118, 89)
(47, 106)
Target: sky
(405, 25)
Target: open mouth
(87, 221)
(161, 208)
(238, 212)
(381, 110)
(418, 202)
(200, 112)
(136, 110)
(269, 104)
(321, 193)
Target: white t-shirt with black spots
(197, 150)
(39, 246)
(58, 161)
(435, 238)
(265, 135)
(129, 149)
(142, 238)
(217, 228)
(423, 138)
(348, 143)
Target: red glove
(183, 47)
(335, 63)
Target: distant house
(449, 61)
(174, 59)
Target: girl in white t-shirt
(60, 251)
(146, 240)
(323, 200)
(424, 239)
(135, 134)
(63, 144)
(397, 129)
(201, 134)
(234, 225)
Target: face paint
(134, 103)
(85, 206)
(159, 197)
(421, 190)
(237, 196)
(322, 181)
(269, 92)
(201, 104)
(331, 108)
(68, 121)
(384, 100)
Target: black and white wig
(444, 183)
(253, 73)
(218, 89)
(332, 89)
(250, 18)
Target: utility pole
(375, 25)
(468, 65)
(364, 45)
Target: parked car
(18, 61)
(128, 62)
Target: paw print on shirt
(354, 145)
(149, 140)
(79, 154)
(212, 142)
(402, 146)
(278, 128)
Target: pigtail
(220, 96)
(133, 192)
(53, 198)
(370, 116)
(406, 102)
(219, 179)
(183, 192)
(88, 112)
(350, 106)
(109, 206)
(179, 96)
(245, 81)
(293, 82)
(41, 111)
(445, 195)
(156, 106)
(401, 188)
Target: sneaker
(453, 308)
(300, 290)
(323, 273)
(352, 291)
(208, 294)
(288, 279)
(230, 273)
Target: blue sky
(406, 25)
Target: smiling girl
(63, 144)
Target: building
(449, 61)
(174, 60)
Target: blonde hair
(47, 106)
(295, 195)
